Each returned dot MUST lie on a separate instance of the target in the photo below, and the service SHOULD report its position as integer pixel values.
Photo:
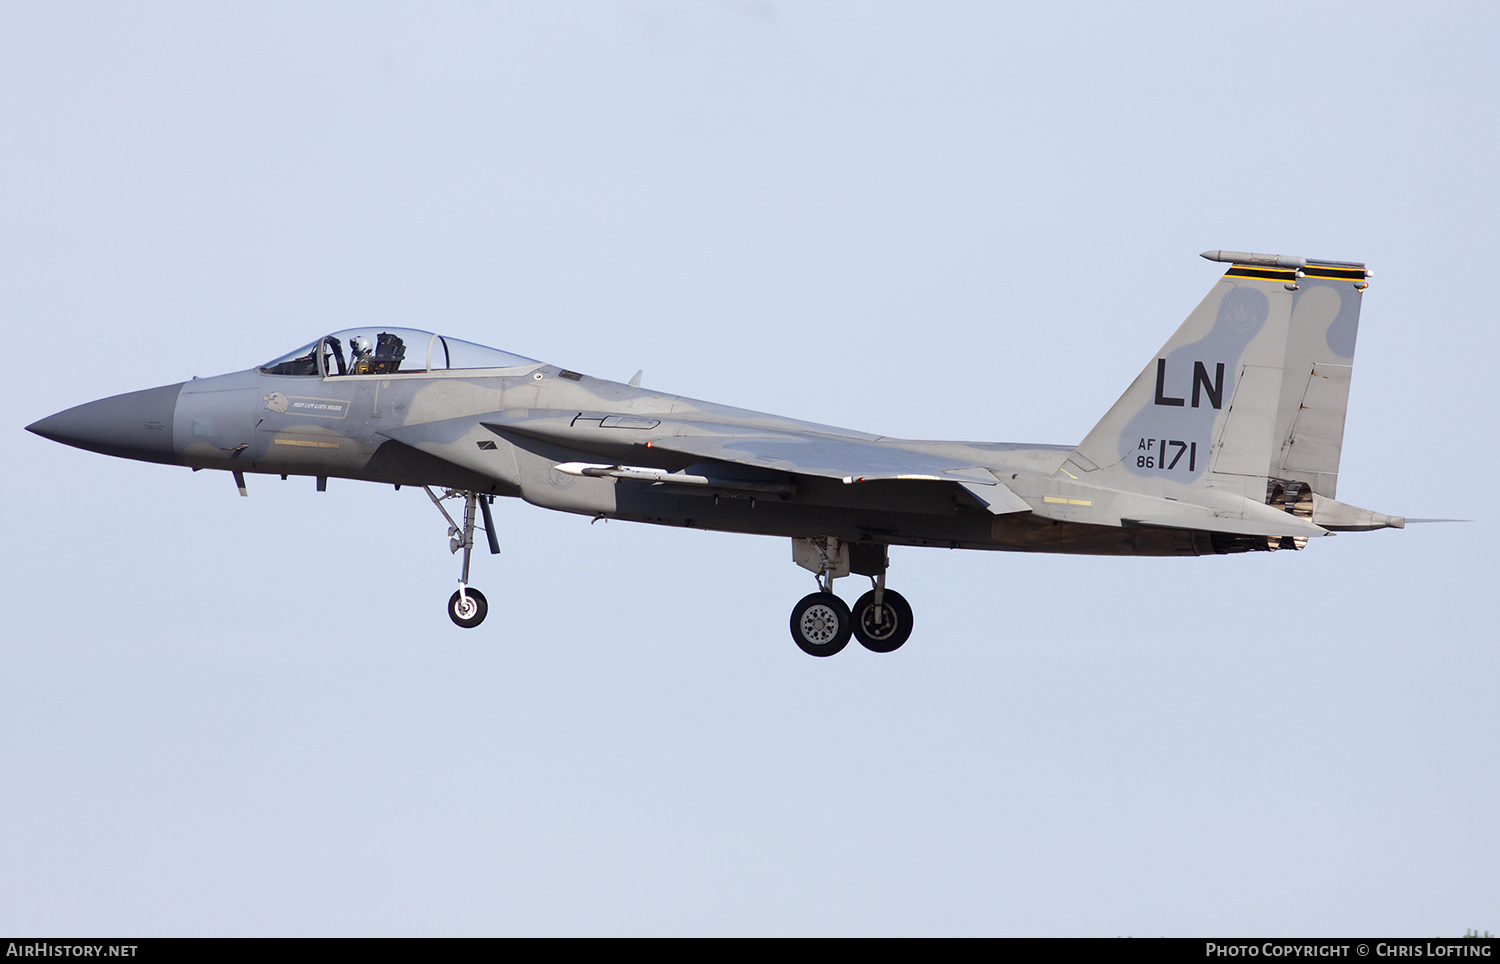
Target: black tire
(883, 630)
(474, 614)
(820, 624)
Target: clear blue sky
(251, 716)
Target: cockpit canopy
(386, 351)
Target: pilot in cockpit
(361, 355)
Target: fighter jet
(1228, 441)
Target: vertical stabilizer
(1315, 383)
(1252, 387)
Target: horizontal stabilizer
(1331, 514)
(1293, 526)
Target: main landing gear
(821, 624)
(466, 607)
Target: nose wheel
(468, 607)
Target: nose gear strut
(467, 607)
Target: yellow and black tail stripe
(1331, 271)
(1267, 274)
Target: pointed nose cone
(136, 425)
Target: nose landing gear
(821, 624)
(467, 607)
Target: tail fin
(1248, 395)
(1315, 379)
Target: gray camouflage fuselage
(1228, 441)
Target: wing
(848, 460)
(775, 446)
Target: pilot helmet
(360, 345)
